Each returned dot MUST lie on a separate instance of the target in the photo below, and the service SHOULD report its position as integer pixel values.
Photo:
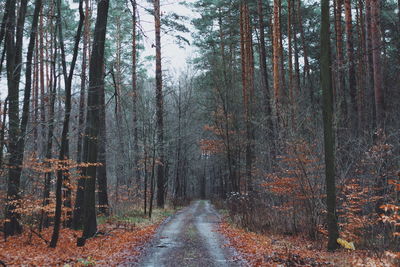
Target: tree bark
(64, 150)
(290, 59)
(77, 213)
(275, 46)
(135, 95)
(326, 83)
(13, 47)
(263, 68)
(44, 221)
(351, 66)
(376, 57)
(96, 85)
(2, 132)
(247, 62)
(370, 66)
(340, 81)
(102, 195)
(306, 69)
(159, 108)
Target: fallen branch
(39, 235)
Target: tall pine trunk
(247, 62)
(351, 67)
(326, 84)
(159, 108)
(376, 57)
(135, 95)
(263, 69)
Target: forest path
(189, 239)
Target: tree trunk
(370, 67)
(178, 178)
(96, 85)
(326, 83)
(160, 108)
(42, 86)
(145, 170)
(296, 47)
(362, 66)
(246, 51)
(13, 47)
(263, 69)
(2, 133)
(152, 182)
(275, 46)
(64, 150)
(77, 213)
(340, 81)
(135, 95)
(117, 77)
(290, 56)
(376, 57)
(44, 219)
(351, 67)
(102, 195)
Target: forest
(276, 144)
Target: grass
(136, 217)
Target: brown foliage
(278, 250)
(112, 247)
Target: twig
(39, 235)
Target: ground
(194, 236)
(190, 238)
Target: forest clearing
(200, 133)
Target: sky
(173, 56)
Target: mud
(189, 238)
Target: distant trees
(293, 50)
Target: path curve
(189, 238)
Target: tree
(159, 105)
(64, 150)
(135, 94)
(96, 85)
(351, 68)
(102, 159)
(263, 67)
(340, 95)
(276, 57)
(376, 57)
(13, 48)
(326, 84)
(77, 213)
(247, 61)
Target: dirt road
(189, 239)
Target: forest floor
(196, 235)
(119, 239)
(190, 238)
(270, 249)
